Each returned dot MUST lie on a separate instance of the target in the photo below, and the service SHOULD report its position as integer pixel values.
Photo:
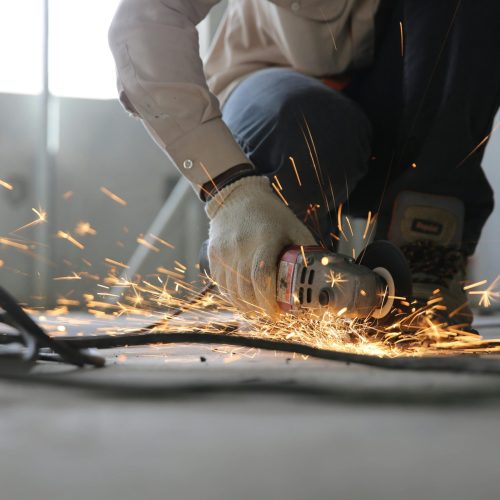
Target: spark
(14, 244)
(113, 196)
(115, 263)
(41, 218)
(83, 228)
(67, 302)
(474, 285)
(313, 154)
(67, 236)
(435, 301)
(458, 309)
(383, 297)
(278, 183)
(170, 273)
(488, 296)
(147, 244)
(304, 258)
(208, 194)
(6, 185)
(401, 36)
(209, 177)
(278, 192)
(311, 213)
(368, 220)
(325, 18)
(334, 279)
(350, 227)
(295, 170)
(481, 143)
(163, 242)
(339, 221)
(67, 195)
(342, 311)
(417, 333)
(106, 294)
(73, 276)
(179, 264)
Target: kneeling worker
(375, 105)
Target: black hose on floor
(463, 363)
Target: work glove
(249, 228)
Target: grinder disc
(386, 255)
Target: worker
(307, 108)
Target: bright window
(81, 64)
(21, 34)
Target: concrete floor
(163, 424)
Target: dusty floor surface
(160, 423)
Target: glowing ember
(113, 196)
(84, 228)
(10, 243)
(66, 236)
(334, 278)
(417, 333)
(415, 330)
(41, 218)
(6, 185)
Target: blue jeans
(430, 108)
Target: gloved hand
(249, 228)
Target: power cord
(72, 349)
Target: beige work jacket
(162, 79)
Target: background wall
(486, 262)
(93, 144)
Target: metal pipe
(178, 195)
(44, 180)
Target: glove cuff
(251, 184)
(212, 187)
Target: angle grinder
(313, 278)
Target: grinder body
(312, 278)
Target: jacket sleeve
(161, 80)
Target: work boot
(428, 229)
(438, 274)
